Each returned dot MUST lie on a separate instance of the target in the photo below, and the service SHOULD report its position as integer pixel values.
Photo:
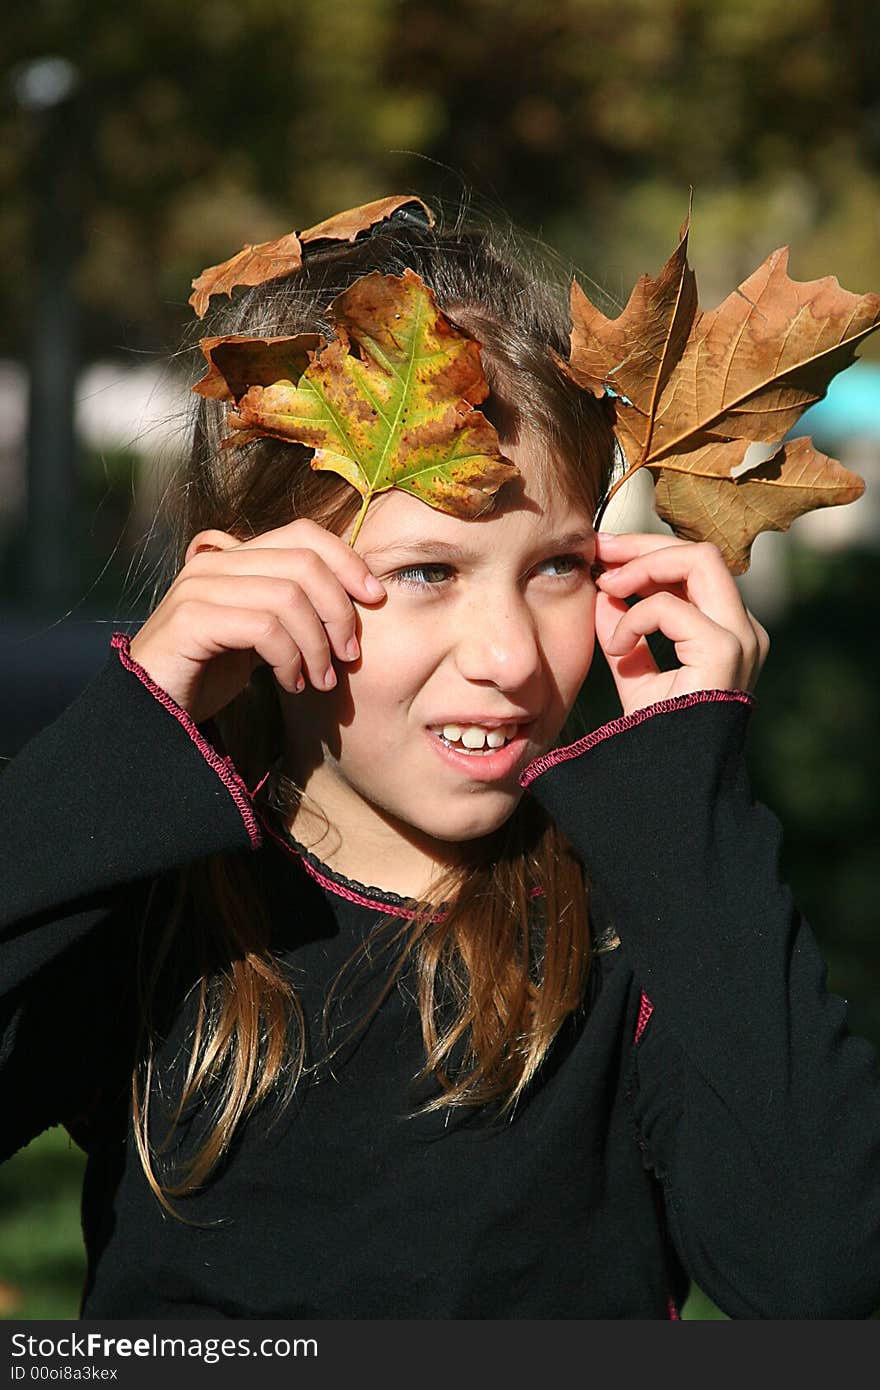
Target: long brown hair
(500, 968)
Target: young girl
(367, 991)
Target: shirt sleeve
(119, 790)
(754, 1105)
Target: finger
(243, 629)
(353, 572)
(623, 545)
(607, 584)
(762, 648)
(699, 570)
(699, 641)
(286, 600)
(630, 667)
(762, 637)
(330, 598)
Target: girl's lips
(484, 767)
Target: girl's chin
(461, 829)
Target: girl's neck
(378, 854)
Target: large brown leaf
(644, 342)
(390, 402)
(693, 390)
(254, 265)
(731, 512)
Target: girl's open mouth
(482, 762)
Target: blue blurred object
(850, 409)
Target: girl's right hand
(282, 598)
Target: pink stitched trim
(627, 721)
(255, 789)
(224, 767)
(349, 893)
(338, 888)
(536, 892)
(646, 1008)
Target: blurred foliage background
(139, 144)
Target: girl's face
(487, 620)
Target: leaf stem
(603, 506)
(361, 514)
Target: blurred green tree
(587, 125)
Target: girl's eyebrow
(450, 551)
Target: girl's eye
(406, 576)
(409, 577)
(576, 561)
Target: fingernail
(352, 649)
(300, 685)
(374, 586)
(329, 678)
(606, 535)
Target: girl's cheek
(576, 664)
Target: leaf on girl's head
(692, 390)
(238, 362)
(390, 402)
(254, 265)
(348, 225)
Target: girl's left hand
(690, 596)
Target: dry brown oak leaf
(388, 403)
(254, 265)
(692, 390)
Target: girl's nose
(498, 643)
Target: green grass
(699, 1308)
(42, 1260)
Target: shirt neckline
(363, 894)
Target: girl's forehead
(527, 507)
(396, 520)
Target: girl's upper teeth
(473, 736)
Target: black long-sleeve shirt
(706, 1114)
